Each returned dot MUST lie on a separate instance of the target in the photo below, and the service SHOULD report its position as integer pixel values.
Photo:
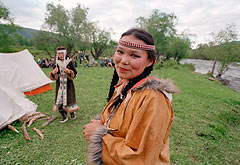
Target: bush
(189, 66)
(167, 64)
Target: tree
(8, 35)
(225, 45)
(46, 41)
(100, 40)
(161, 26)
(178, 47)
(71, 26)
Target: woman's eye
(135, 56)
(120, 52)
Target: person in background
(81, 56)
(101, 62)
(64, 72)
(87, 56)
(135, 124)
(75, 61)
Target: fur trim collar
(158, 85)
(166, 86)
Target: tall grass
(206, 127)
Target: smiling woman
(135, 124)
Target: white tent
(19, 74)
(14, 105)
(22, 71)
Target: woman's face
(61, 56)
(129, 62)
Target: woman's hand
(91, 128)
(55, 70)
(66, 70)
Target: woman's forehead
(131, 50)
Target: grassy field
(206, 127)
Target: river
(203, 66)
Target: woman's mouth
(122, 69)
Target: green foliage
(161, 25)
(8, 35)
(100, 40)
(205, 129)
(4, 12)
(223, 47)
(166, 64)
(178, 47)
(69, 25)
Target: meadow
(206, 127)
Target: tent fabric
(39, 90)
(22, 71)
(19, 74)
(13, 103)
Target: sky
(199, 17)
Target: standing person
(81, 55)
(135, 124)
(64, 72)
(87, 56)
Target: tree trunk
(213, 67)
(48, 53)
(93, 54)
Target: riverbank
(205, 129)
(204, 66)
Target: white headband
(62, 51)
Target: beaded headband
(136, 45)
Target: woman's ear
(150, 62)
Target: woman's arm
(53, 74)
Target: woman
(64, 72)
(135, 124)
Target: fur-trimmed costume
(71, 105)
(139, 128)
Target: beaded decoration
(136, 45)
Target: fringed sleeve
(53, 76)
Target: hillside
(27, 32)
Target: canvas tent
(14, 105)
(19, 75)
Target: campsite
(205, 128)
(44, 44)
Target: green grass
(206, 127)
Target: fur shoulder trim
(158, 85)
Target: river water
(204, 66)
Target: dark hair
(60, 48)
(148, 39)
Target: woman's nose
(125, 60)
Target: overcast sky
(200, 17)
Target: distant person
(86, 62)
(46, 63)
(101, 61)
(135, 124)
(43, 63)
(105, 61)
(75, 61)
(64, 72)
(91, 62)
(87, 56)
(81, 57)
(39, 62)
